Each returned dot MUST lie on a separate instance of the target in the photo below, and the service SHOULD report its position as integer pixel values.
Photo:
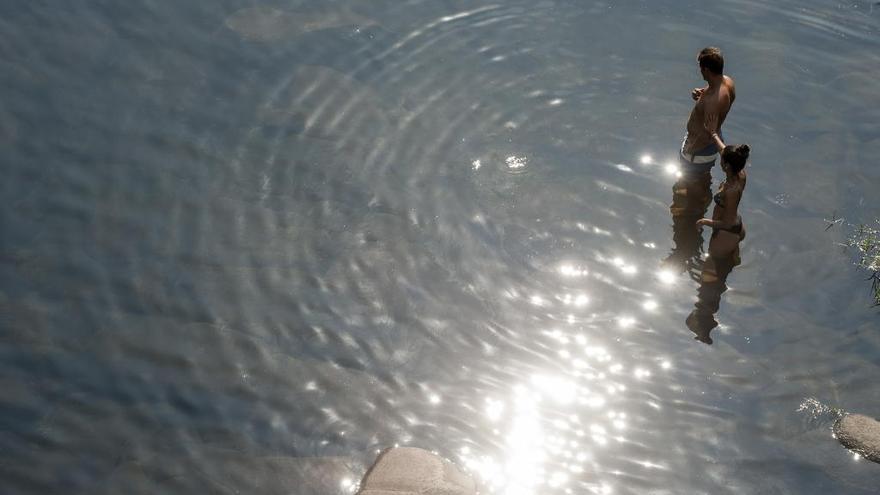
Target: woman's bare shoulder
(736, 189)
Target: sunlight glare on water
(242, 239)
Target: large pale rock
(860, 434)
(406, 470)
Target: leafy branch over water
(867, 240)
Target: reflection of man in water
(692, 194)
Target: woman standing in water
(727, 232)
(726, 223)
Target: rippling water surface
(245, 245)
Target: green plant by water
(866, 240)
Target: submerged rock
(264, 23)
(411, 471)
(861, 434)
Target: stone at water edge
(411, 471)
(861, 434)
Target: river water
(245, 245)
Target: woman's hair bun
(736, 155)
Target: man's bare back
(713, 104)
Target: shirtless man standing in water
(692, 193)
(698, 151)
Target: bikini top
(719, 199)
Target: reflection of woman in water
(727, 232)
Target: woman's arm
(716, 224)
(729, 219)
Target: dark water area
(243, 245)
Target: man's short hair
(710, 58)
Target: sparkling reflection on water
(247, 245)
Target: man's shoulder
(726, 91)
(729, 84)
